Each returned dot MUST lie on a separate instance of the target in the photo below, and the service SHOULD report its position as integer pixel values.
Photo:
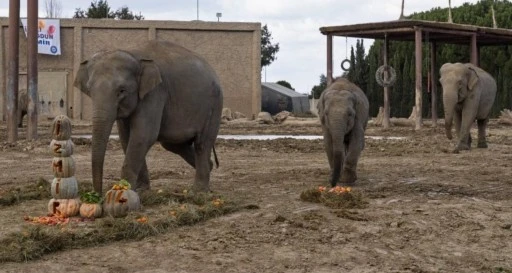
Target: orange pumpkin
(88, 210)
(61, 148)
(64, 188)
(64, 207)
(63, 166)
(61, 128)
(118, 203)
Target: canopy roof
(404, 30)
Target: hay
(334, 200)
(34, 240)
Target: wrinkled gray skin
(468, 94)
(22, 106)
(343, 110)
(158, 91)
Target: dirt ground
(428, 210)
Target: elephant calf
(468, 94)
(343, 109)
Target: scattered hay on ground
(35, 240)
(333, 198)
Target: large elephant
(157, 91)
(343, 109)
(468, 94)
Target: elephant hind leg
(482, 125)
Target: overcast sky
(293, 24)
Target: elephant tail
(215, 156)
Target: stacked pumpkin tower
(64, 188)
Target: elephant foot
(201, 187)
(482, 144)
(461, 147)
(348, 177)
(141, 186)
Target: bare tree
(53, 8)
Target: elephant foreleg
(328, 148)
(468, 117)
(482, 125)
(142, 181)
(354, 148)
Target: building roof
(404, 30)
(281, 89)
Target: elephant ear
(472, 78)
(82, 77)
(150, 77)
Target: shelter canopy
(441, 32)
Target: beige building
(233, 49)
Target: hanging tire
(345, 65)
(379, 76)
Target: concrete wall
(233, 49)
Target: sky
(293, 24)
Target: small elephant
(343, 110)
(468, 94)
(22, 106)
(157, 91)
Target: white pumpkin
(63, 166)
(61, 148)
(64, 188)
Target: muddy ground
(428, 210)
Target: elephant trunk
(449, 102)
(102, 123)
(338, 151)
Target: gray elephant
(343, 110)
(157, 91)
(468, 94)
(22, 106)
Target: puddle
(269, 137)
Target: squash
(64, 188)
(89, 210)
(61, 148)
(64, 207)
(118, 203)
(63, 166)
(61, 128)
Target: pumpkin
(118, 203)
(64, 207)
(61, 148)
(89, 210)
(64, 188)
(63, 166)
(61, 128)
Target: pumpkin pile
(64, 188)
(120, 200)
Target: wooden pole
(474, 50)
(433, 82)
(12, 71)
(385, 120)
(32, 26)
(418, 61)
(329, 59)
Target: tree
(53, 8)
(317, 90)
(268, 50)
(101, 9)
(285, 84)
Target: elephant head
(458, 81)
(115, 81)
(338, 115)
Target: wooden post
(33, 98)
(385, 120)
(12, 71)
(474, 50)
(329, 59)
(433, 82)
(418, 61)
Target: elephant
(343, 110)
(156, 91)
(22, 106)
(468, 94)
